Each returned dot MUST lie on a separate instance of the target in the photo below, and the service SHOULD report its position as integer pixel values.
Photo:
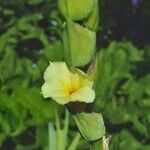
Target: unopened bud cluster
(79, 39)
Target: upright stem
(96, 145)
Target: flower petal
(87, 82)
(85, 94)
(57, 72)
(51, 90)
(76, 80)
(65, 86)
(62, 100)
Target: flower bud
(79, 44)
(76, 9)
(93, 20)
(90, 125)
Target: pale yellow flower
(65, 86)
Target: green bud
(93, 20)
(90, 125)
(76, 9)
(79, 44)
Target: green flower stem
(79, 40)
(97, 145)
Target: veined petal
(85, 94)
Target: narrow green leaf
(62, 133)
(52, 137)
(75, 142)
(7, 64)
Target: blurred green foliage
(29, 38)
(125, 95)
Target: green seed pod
(76, 9)
(79, 44)
(93, 20)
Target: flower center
(71, 89)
